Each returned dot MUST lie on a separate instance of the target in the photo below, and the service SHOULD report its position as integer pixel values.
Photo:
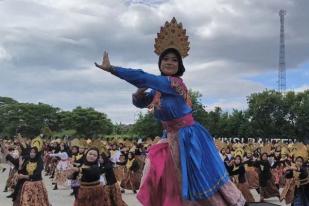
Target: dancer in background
(296, 190)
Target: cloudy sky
(47, 49)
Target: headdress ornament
(100, 145)
(284, 151)
(75, 142)
(239, 152)
(301, 151)
(172, 35)
(219, 144)
(58, 140)
(266, 149)
(38, 143)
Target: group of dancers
(269, 168)
(183, 168)
(100, 171)
(96, 175)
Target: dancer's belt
(176, 124)
(94, 183)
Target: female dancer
(188, 155)
(30, 189)
(296, 190)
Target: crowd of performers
(267, 169)
(98, 171)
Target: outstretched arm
(138, 77)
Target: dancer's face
(169, 64)
(237, 160)
(81, 150)
(130, 156)
(101, 160)
(92, 156)
(74, 150)
(277, 154)
(299, 162)
(32, 154)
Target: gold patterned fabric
(131, 180)
(31, 166)
(91, 196)
(33, 194)
(113, 195)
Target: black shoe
(3, 170)
(72, 193)
(10, 196)
(134, 191)
(55, 188)
(5, 189)
(122, 191)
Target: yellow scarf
(129, 163)
(112, 152)
(31, 166)
(78, 156)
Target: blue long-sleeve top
(172, 102)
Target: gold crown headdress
(301, 151)
(266, 149)
(220, 145)
(239, 152)
(58, 140)
(248, 149)
(75, 142)
(172, 35)
(236, 146)
(284, 151)
(38, 143)
(100, 145)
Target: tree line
(269, 114)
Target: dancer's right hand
(20, 162)
(106, 66)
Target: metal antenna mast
(282, 67)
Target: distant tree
(87, 122)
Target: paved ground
(63, 198)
